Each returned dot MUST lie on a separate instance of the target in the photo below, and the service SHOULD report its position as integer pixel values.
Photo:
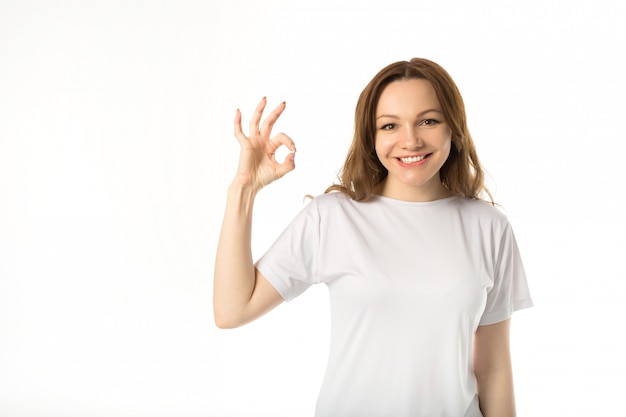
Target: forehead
(407, 95)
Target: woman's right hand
(257, 161)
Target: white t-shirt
(409, 283)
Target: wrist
(237, 187)
(243, 195)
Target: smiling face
(412, 141)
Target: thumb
(288, 164)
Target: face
(412, 141)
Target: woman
(423, 275)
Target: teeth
(412, 159)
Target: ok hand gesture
(257, 160)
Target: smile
(412, 159)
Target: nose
(412, 139)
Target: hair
(362, 171)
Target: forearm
(495, 393)
(240, 294)
(234, 277)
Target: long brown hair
(462, 173)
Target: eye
(388, 126)
(429, 122)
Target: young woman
(423, 274)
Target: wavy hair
(462, 173)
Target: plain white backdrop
(116, 150)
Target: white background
(116, 150)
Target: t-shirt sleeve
(510, 291)
(291, 263)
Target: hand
(257, 161)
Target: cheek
(384, 148)
(446, 144)
(379, 147)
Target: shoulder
(482, 211)
(333, 196)
(331, 200)
(320, 205)
(337, 207)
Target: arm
(492, 366)
(240, 292)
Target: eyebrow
(419, 115)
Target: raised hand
(257, 161)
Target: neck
(433, 192)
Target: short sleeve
(510, 291)
(291, 263)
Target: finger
(238, 131)
(266, 129)
(256, 117)
(282, 139)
